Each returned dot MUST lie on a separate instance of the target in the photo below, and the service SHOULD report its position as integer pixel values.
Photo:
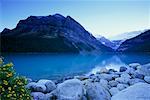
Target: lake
(55, 66)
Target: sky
(100, 17)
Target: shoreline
(106, 84)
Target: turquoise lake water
(55, 66)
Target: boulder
(144, 70)
(81, 78)
(135, 80)
(137, 75)
(38, 95)
(107, 77)
(104, 83)
(147, 79)
(122, 69)
(103, 70)
(70, 90)
(113, 83)
(36, 87)
(50, 96)
(96, 91)
(122, 86)
(124, 78)
(134, 65)
(130, 71)
(138, 91)
(113, 91)
(50, 85)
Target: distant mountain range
(140, 43)
(53, 33)
(127, 35)
(59, 34)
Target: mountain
(53, 33)
(106, 42)
(140, 43)
(127, 35)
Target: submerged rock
(96, 91)
(139, 91)
(70, 90)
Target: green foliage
(12, 87)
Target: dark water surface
(53, 66)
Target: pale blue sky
(100, 17)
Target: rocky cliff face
(140, 43)
(53, 33)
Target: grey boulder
(96, 91)
(70, 90)
(147, 79)
(139, 91)
(38, 95)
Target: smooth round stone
(134, 65)
(113, 83)
(50, 85)
(70, 90)
(113, 91)
(139, 91)
(122, 69)
(137, 75)
(95, 91)
(122, 86)
(38, 95)
(147, 79)
(103, 70)
(135, 80)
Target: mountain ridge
(53, 33)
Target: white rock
(50, 85)
(125, 75)
(107, 77)
(130, 71)
(135, 80)
(38, 96)
(134, 65)
(103, 70)
(70, 90)
(113, 83)
(113, 91)
(104, 83)
(139, 91)
(147, 79)
(145, 70)
(122, 86)
(36, 87)
(96, 92)
(124, 78)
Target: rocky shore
(129, 83)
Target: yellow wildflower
(9, 74)
(5, 82)
(4, 68)
(9, 88)
(3, 89)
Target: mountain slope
(53, 33)
(140, 43)
(127, 35)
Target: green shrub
(12, 87)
